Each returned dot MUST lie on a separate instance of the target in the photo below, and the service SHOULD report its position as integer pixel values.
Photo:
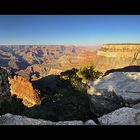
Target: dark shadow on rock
(46, 82)
(105, 103)
(133, 68)
(60, 101)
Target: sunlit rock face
(4, 84)
(112, 56)
(23, 89)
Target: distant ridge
(123, 44)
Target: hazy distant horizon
(128, 43)
(51, 45)
(69, 29)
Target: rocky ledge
(9, 119)
(125, 85)
(122, 116)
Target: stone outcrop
(23, 89)
(122, 116)
(69, 123)
(124, 84)
(4, 84)
(104, 101)
(9, 119)
(136, 106)
(90, 122)
(113, 56)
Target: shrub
(84, 74)
(88, 73)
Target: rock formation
(136, 106)
(9, 119)
(23, 89)
(4, 84)
(124, 84)
(117, 56)
(104, 101)
(122, 116)
(90, 122)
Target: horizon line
(49, 44)
(70, 44)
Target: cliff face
(4, 84)
(24, 90)
(112, 56)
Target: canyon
(37, 61)
(33, 74)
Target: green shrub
(84, 74)
(89, 73)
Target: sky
(69, 29)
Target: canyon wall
(113, 56)
(4, 84)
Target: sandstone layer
(113, 56)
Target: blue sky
(69, 29)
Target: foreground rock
(90, 122)
(122, 116)
(4, 87)
(9, 119)
(136, 106)
(69, 123)
(4, 84)
(124, 84)
(104, 101)
(24, 90)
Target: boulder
(124, 84)
(9, 119)
(136, 106)
(104, 101)
(122, 116)
(70, 123)
(90, 122)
